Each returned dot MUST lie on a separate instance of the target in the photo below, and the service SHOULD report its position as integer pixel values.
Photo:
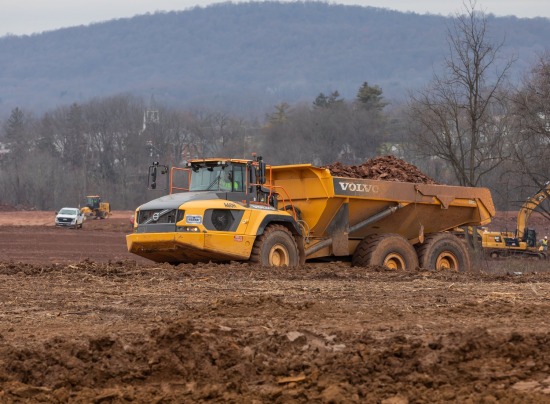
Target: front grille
(160, 216)
(158, 220)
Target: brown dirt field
(82, 321)
(31, 237)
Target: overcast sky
(22, 17)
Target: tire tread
(256, 254)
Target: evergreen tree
(370, 97)
(327, 101)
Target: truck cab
(218, 210)
(239, 180)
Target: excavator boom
(528, 207)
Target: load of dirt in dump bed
(387, 168)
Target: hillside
(241, 57)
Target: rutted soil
(82, 321)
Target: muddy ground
(83, 321)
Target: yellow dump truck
(244, 210)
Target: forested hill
(241, 57)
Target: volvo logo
(358, 187)
(156, 216)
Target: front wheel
(389, 250)
(276, 247)
(443, 252)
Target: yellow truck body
(420, 209)
(304, 208)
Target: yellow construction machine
(245, 210)
(522, 242)
(96, 209)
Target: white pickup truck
(69, 217)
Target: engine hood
(66, 216)
(174, 201)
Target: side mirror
(153, 172)
(261, 171)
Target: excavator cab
(530, 237)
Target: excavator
(523, 242)
(95, 208)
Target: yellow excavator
(96, 209)
(523, 242)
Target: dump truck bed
(328, 203)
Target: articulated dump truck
(244, 210)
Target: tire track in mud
(120, 331)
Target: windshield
(66, 211)
(224, 177)
(93, 202)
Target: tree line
(240, 57)
(469, 126)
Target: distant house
(3, 150)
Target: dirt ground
(83, 321)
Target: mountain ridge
(242, 57)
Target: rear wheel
(276, 247)
(389, 250)
(443, 252)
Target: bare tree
(461, 117)
(287, 135)
(531, 110)
(330, 129)
(531, 133)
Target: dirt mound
(328, 333)
(387, 168)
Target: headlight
(188, 229)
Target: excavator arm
(528, 207)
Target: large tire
(444, 252)
(276, 247)
(389, 250)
